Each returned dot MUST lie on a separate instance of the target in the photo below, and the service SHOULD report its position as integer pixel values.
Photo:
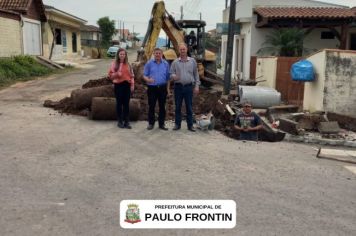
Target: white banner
(177, 214)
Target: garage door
(32, 38)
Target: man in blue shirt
(248, 123)
(156, 75)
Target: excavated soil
(203, 103)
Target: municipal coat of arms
(133, 214)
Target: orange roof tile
(18, 5)
(304, 12)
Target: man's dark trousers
(155, 93)
(183, 92)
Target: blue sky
(136, 13)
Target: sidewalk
(78, 62)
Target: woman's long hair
(117, 58)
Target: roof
(22, 6)
(10, 14)
(123, 31)
(53, 9)
(90, 28)
(18, 5)
(304, 12)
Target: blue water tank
(302, 71)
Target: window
(58, 36)
(327, 35)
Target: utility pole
(230, 47)
(120, 31)
(123, 29)
(226, 4)
(181, 12)
(200, 15)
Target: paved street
(66, 175)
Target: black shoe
(162, 127)
(120, 124)
(176, 127)
(127, 126)
(192, 129)
(150, 127)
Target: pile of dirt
(208, 100)
(203, 103)
(97, 82)
(65, 106)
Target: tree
(107, 28)
(287, 42)
(52, 27)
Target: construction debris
(49, 63)
(338, 155)
(96, 100)
(329, 127)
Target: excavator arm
(160, 19)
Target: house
(21, 26)
(121, 34)
(330, 25)
(62, 34)
(90, 35)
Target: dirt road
(66, 175)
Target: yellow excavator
(177, 32)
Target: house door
(32, 37)
(353, 42)
(74, 42)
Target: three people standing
(157, 74)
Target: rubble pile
(323, 128)
(79, 105)
(319, 127)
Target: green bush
(20, 68)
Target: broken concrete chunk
(337, 154)
(289, 126)
(331, 127)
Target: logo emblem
(132, 214)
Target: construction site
(66, 166)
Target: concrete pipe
(82, 98)
(104, 108)
(260, 97)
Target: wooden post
(343, 40)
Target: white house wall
(314, 91)
(340, 82)
(246, 36)
(314, 42)
(335, 87)
(266, 69)
(246, 32)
